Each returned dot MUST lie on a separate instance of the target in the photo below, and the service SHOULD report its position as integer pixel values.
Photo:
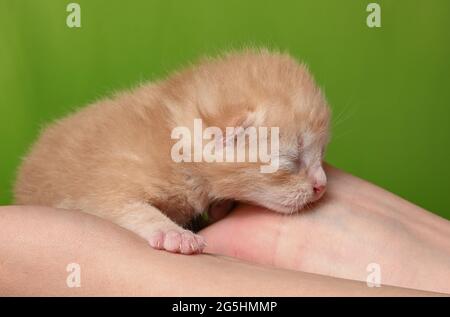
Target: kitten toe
(156, 241)
(172, 241)
(189, 244)
(185, 242)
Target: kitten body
(113, 158)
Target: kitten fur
(112, 158)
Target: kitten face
(299, 179)
(265, 89)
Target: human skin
(37, 244)
(356, 223)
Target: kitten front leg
(160, 232)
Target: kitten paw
(177, 241)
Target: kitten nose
(319, 189)
(319, 182)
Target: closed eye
(298, 164)
(322, 154)
(291, 162)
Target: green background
(388, 87)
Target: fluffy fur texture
(112, 158)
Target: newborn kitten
(113, 158)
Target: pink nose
(319, 181)
(319, 190)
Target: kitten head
(253, 90)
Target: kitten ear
(239, 125)
(231, 134)
(249, 119)
(254, 119)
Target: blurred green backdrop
(388, 87)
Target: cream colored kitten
(113, 158)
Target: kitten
(113, 158)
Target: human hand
(355, 224)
